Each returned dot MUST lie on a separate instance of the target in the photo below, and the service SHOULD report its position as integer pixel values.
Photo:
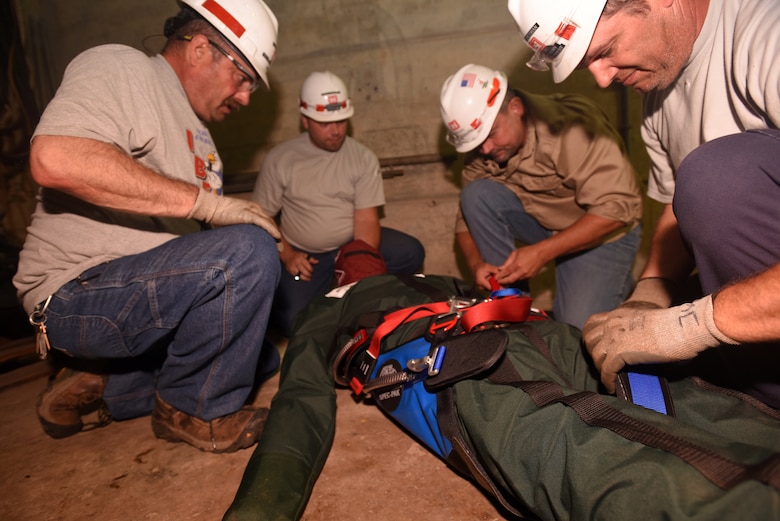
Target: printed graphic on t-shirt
(208, 166)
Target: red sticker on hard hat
(493, 92)
(453, 125)
(536, 44)
(565, 30)
(476, 123)
(225, 17)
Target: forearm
(469, 249)
(367, 227)
(749, 310)
(587, 232)
(101, 174)
(668, 258)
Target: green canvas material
(546, 460)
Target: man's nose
(242, 97)
(486, 147)
(602, 73)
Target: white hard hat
(249, 25)
(324, 98)
(558, 32)
(470, 101)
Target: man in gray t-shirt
(710, 80)
(327, 189)
(135, 268)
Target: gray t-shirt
(118, 95)
(730, 84)
(318, 191)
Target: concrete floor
(122, 472)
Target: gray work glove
(630, 336)
(650, 293)
(224, 211)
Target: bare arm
(479, 268)
(367, 226)
(526, 262)
(749, 310)
(101, 174)
(668, 258)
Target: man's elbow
(44, 161)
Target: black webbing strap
(591, 407)
(540, 344)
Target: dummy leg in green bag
(298, 433)
(300, 428)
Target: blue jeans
(587, 282)
(186, 319)
(402, 254)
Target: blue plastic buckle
(646, 391)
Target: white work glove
(630, 336)
(650, 293)
(224, 211)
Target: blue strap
(646, 391)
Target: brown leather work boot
(225, 434)
(68, 396)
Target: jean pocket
(86, 336)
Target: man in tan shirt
(550, 173)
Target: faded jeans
(586, 282)
(186, 319)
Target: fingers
(257, 217)
(593, 333)
(608, 378)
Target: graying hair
(632, 7)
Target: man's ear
(304, 122)
(516, 107)
(199, 50)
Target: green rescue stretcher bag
(527, 422)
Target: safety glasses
(248, 82)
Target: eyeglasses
(249, 82)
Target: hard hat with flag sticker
(249, 26)
(558, 32)
(470, 101)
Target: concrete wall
(394, 56)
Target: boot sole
(247, 439)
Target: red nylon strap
(396, 318)
(508, 309)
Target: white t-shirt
(118, 95)
(318, 191)
(730, 84)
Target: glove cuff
(651, 292)
(709, 322)
(205, 206)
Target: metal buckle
(432, 362)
